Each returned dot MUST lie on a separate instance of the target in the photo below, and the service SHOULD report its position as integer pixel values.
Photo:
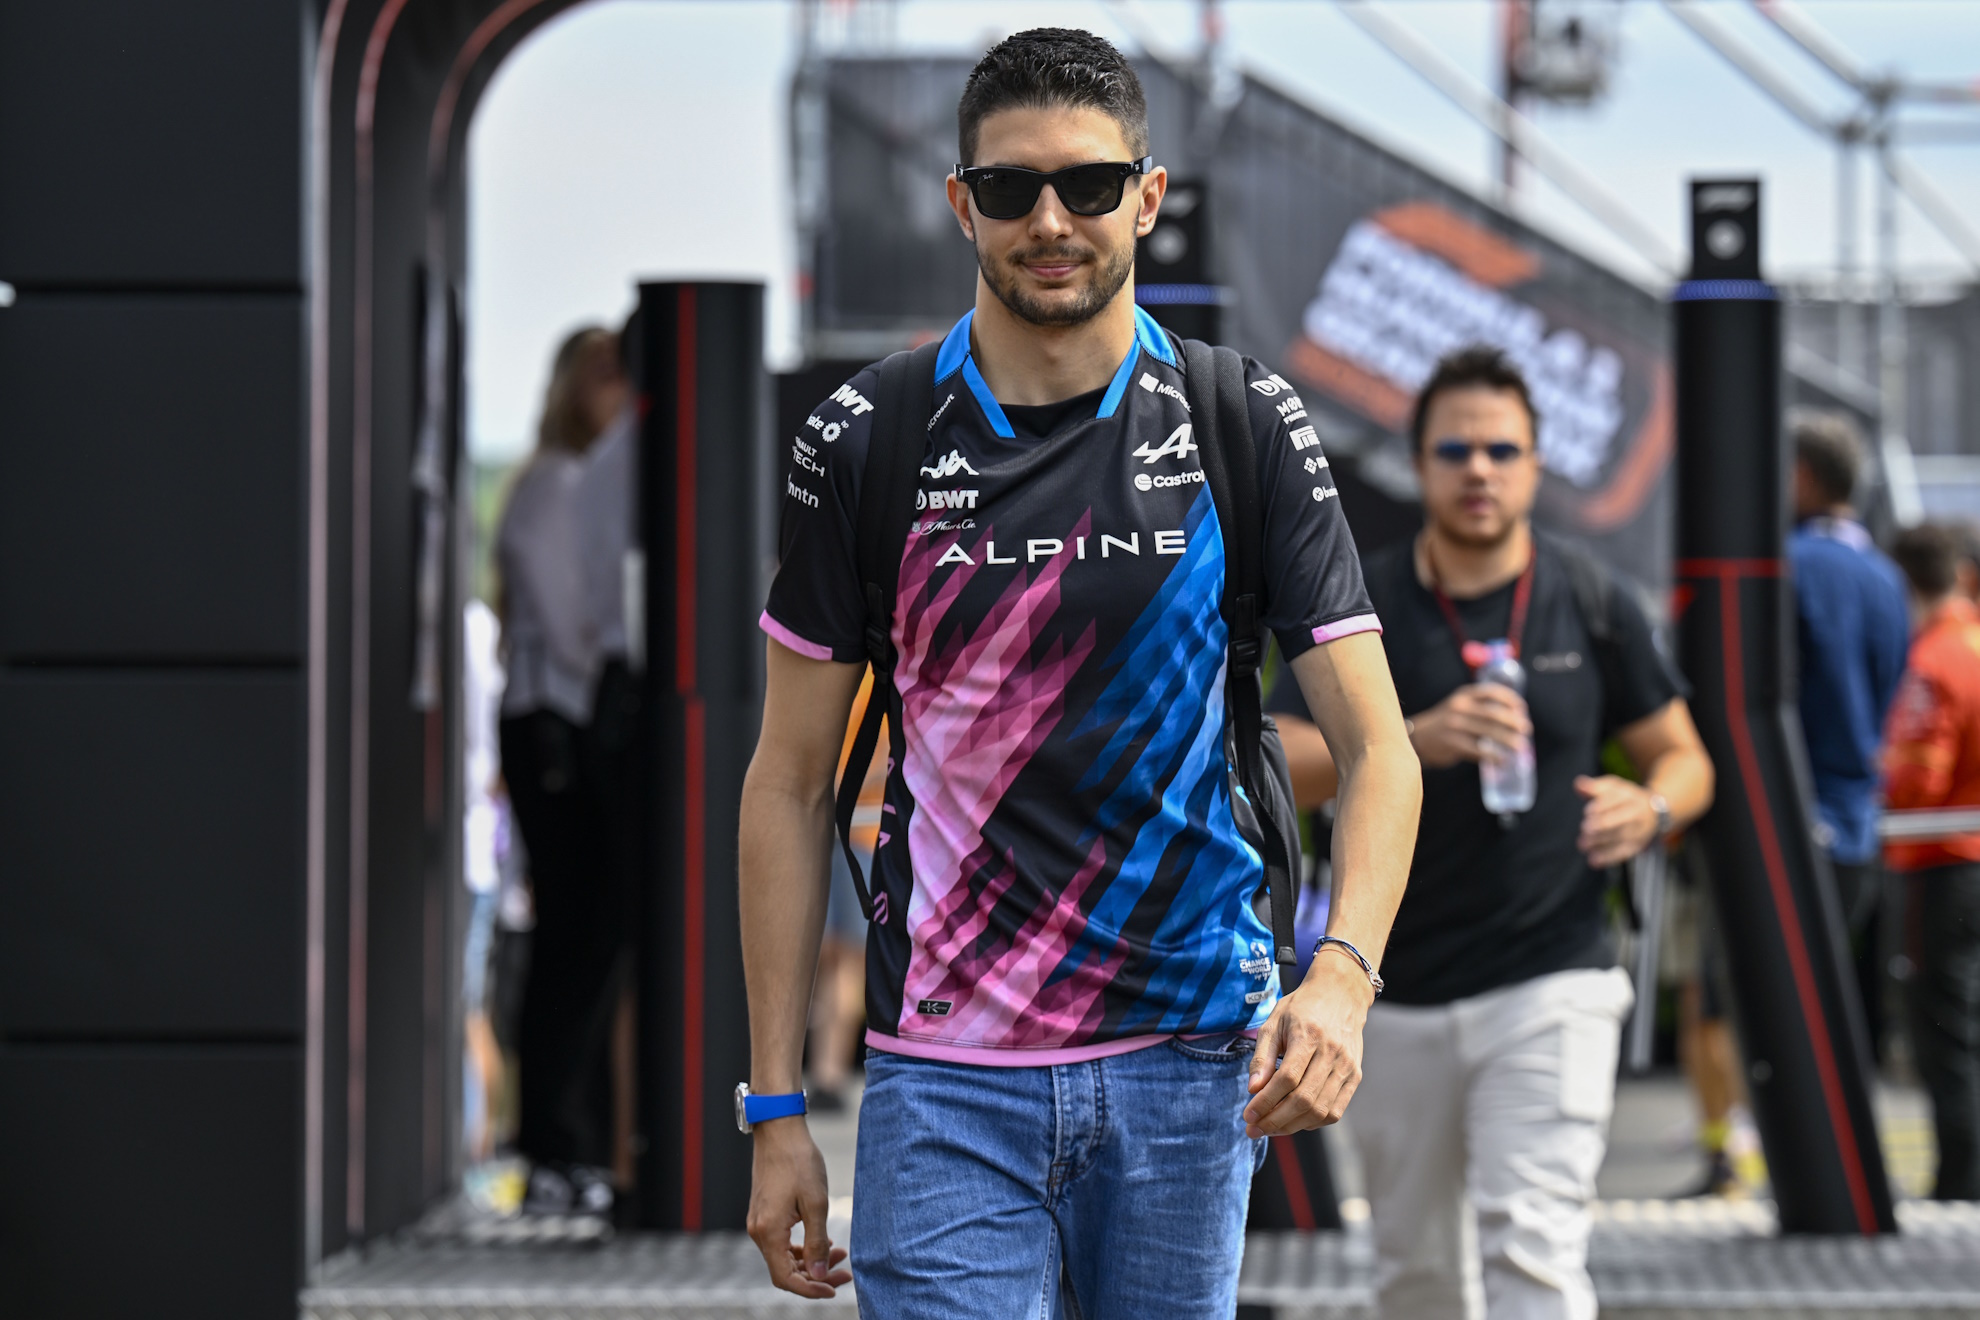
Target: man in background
(1853, 631)
(1491, 1059)
(1933, 760)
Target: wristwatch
(1663, 810)
(754, 1109)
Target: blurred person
(546, 706)
(1065, 965)
(606, 509)
(483, 826)
(1968, 576)
(1694, 953)
(1853, 631)
(1932, 759)
(1490, 1062)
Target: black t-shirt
(1489, 906)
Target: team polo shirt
(1058, 875)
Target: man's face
(1053, 267)
(1469, 495)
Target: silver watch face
(742, 1093)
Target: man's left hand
(1314, 1038)
(1618, 822)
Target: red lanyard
(1476, 653)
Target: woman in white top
(546, 705)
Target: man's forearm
(784, 850)
(1683, 778)
(1374, 840)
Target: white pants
(1481, 1124)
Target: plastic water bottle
(1505, 777)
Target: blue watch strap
(763, 1108)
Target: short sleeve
(1646, 679)
(1313, 586)
(816, 606)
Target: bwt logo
(945, 499)
(852, 400)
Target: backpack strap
(894, 451)
(1222, 425)
(1594, 589)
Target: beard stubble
(1002, 277)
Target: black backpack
(1261, 784)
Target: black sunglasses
(1459, 452)
(1005, 192)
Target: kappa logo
(934, 1007)
(1178, 445)
(1304, 438)
(953, 465)
(1272, 385)
(851, 400)
(1314, 465)
(1153, 386)
(945, 499)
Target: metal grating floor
(1651, 1259)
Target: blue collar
(955, 356)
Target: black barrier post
(703, 469)
(1793, 988)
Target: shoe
(549, 1192)
(593, 1191)
(1720, 1180)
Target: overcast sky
(636, 139)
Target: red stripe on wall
(1728, 573)
(1298, 1199)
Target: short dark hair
(1831, 448)
(1053, 67)
(1929, 554)
(1475, 365)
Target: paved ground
(1653, 1258)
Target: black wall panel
(152, 144)
(153, 829)
(158, 1182)
(151, 479)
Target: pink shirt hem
(810, 650)
(1333, 632)
(993, 1057)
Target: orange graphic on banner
(1485, 256)
(1642, 466)
(1374, 397)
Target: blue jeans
(1076, 1192)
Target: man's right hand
(787, 1188)
(1477, 720)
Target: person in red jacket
(1932, 759)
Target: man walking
(1066, 970)
(1491, 1061)
(1853, 632)
(1933, 760)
